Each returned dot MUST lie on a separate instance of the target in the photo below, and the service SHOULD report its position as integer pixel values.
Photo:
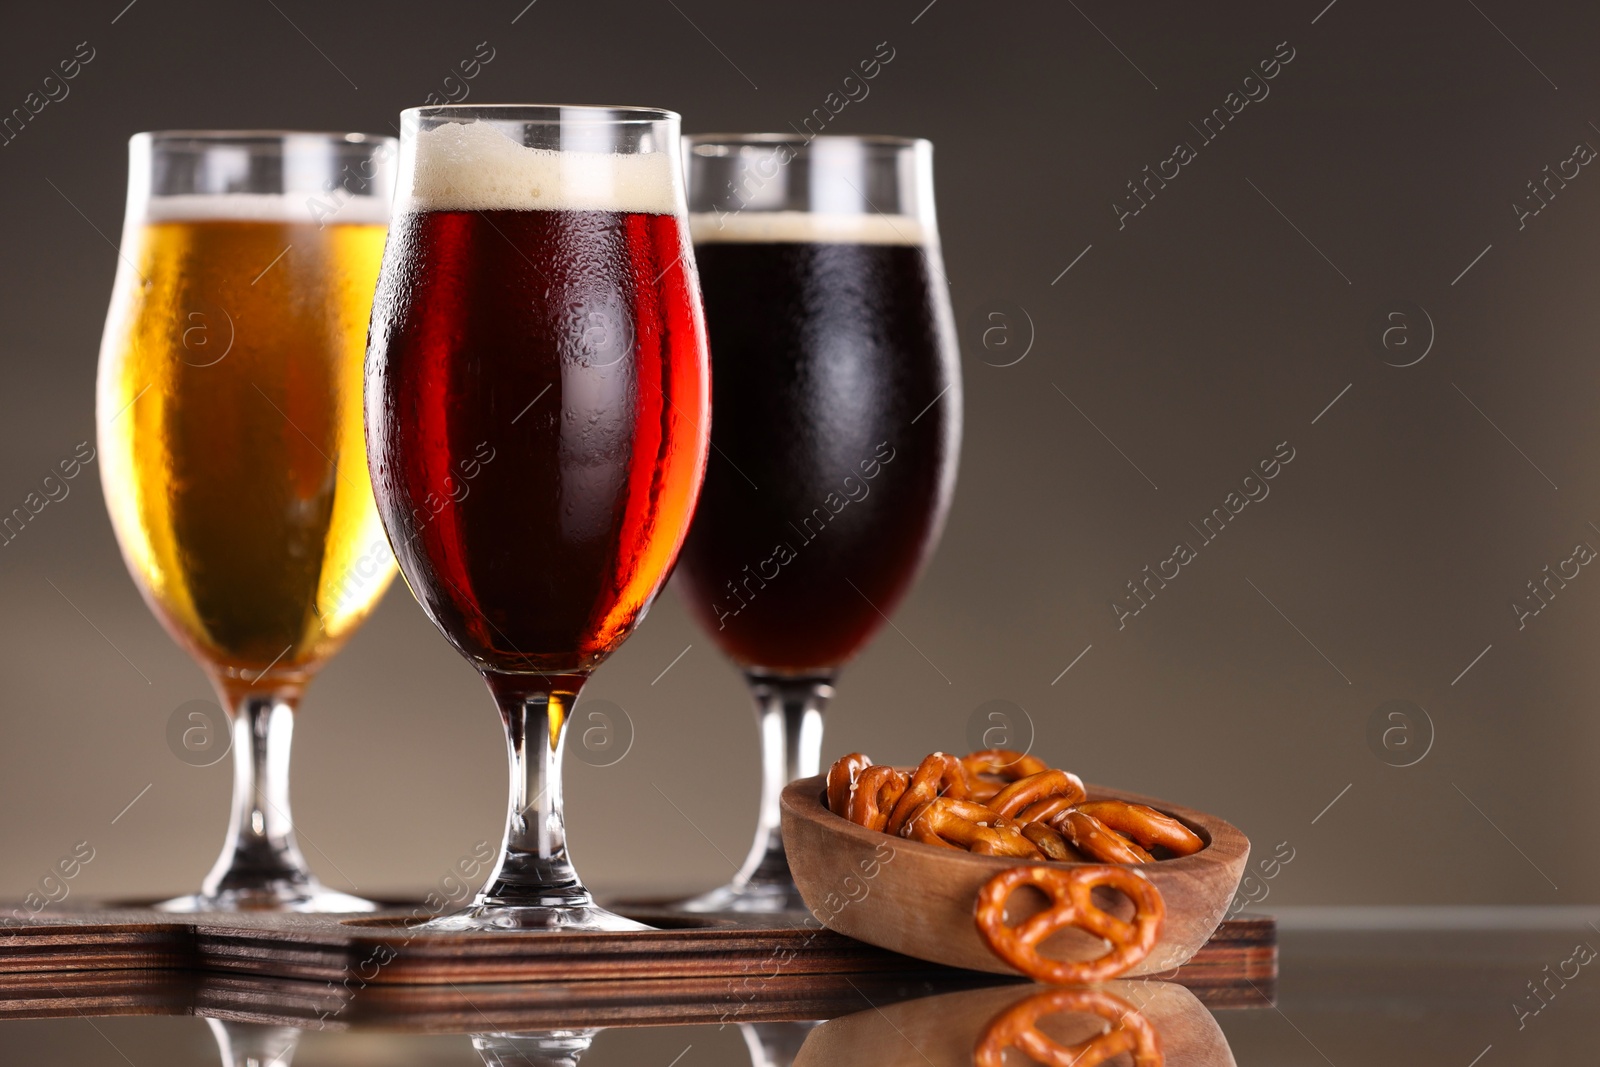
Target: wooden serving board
(359, 954)
(457, 1009)
(70, 994)
(524, 1006)
(508, 1007)
(109, 939)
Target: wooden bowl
(945, 1029)
(917, 899)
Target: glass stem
(775, 1044)
(254, 1044)
(534, 870)
(789, 713)
(260, 855)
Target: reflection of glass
(252, 1044)
(774, 1044)
(838, 422)
(537, 413)
(548, 1048)
(230, 434)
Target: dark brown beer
(834, 443)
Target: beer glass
(838, 424)
(229, 413)
(537, 425)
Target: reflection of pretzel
(1145, 825)
(1016, 1027)
(1069, 890)
(842, 778)
(1037, 792)
(1092, 837)
(938, 775)
(965, 824)
(876, 791)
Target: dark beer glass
(838, 424)
(537, 417)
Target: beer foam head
(805, 227)
(475, 166)
(319, 209)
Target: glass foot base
(547, 1048)
(533, 919)
(764, 898)
(300, 897)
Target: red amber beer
(537, 413)
(535, 396)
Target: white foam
(318, 209)
(805, 227)
(475, 166)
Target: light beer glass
(233, 462)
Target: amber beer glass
(838, 424)
(233, 462)
(537, 425)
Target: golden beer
(231, 437)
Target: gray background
(1217, 323)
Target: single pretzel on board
(938, 775)
(1145, 825)
(964, 824)
(1070, 890)
(1097, 841)
(1017, 1027)
(876, 792)
(842, 779)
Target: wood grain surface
(344, 961)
